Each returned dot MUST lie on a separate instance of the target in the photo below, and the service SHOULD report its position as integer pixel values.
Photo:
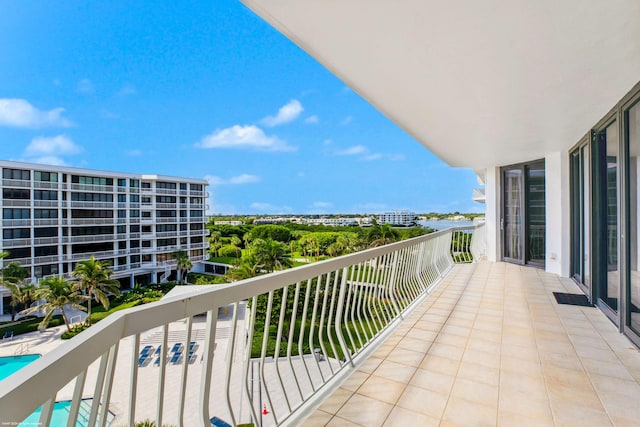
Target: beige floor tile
(318, 419)
(606, 384)
(395, 371)
(482, 358)
(406, 357)
(404, 417)
(474, 391)
(382, 389)
(341, 422)
(443, 365)
(611, 368)
(370, 365)
(424, 401)
(558, 360)
(461, 412)
(476, 372)
(355, 380)
(335, 401)
(414, 344)
(446, 350)
(579, 416)
(433, 381)
(493, 347)
(521, 366)
(450, 339)
(518, 419)
(365, 411)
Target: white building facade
(399, 218)
(53, 217)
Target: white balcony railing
(282, 340)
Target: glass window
(633, 133)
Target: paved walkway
(492, 347)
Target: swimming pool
(9, 365)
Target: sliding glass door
(581, 216)
(606, 215)
(523, 213)
(632, 288)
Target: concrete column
(132, 281)
(492, 213)
(154, 277)
(558, 217)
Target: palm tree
(57, 292)
(247, 268)
(270, 254)
(380, 235)
(236, 242)
(215, 243)
(94, 279)
(13, 278)
(183, 264)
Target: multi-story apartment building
(401, 218)
(53, 217)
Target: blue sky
(206, 90)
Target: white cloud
(48, 146)
(346, 120)
(372, 156)
(85, 86)
(50, 150)
(127, 89)
(312, 120)
(248, 136)
(286, 114)
(49, 160)
(20, 113)
(352, 151)
(244, 178)
(366, 155)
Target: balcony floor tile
(490, 346)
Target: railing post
(338, 318)
(394, 272)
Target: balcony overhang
(477, 83)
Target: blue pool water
(9, 365)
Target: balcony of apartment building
(420, 332)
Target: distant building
(55, 216)
(400, 218)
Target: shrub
(229, 251)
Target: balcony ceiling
(479, 83)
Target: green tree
(270, 254)
(94, 279)
(215, 242)
(236, 242)
(379, 235)
(270, 231)
(57, 292)
(13, 278)
(183, 264)
(246, 268)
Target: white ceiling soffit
(479, 83)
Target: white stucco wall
(492, 214)
(558, 233)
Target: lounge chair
(175, 359)
(147, 350)
(8, 336)
(142, 360)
